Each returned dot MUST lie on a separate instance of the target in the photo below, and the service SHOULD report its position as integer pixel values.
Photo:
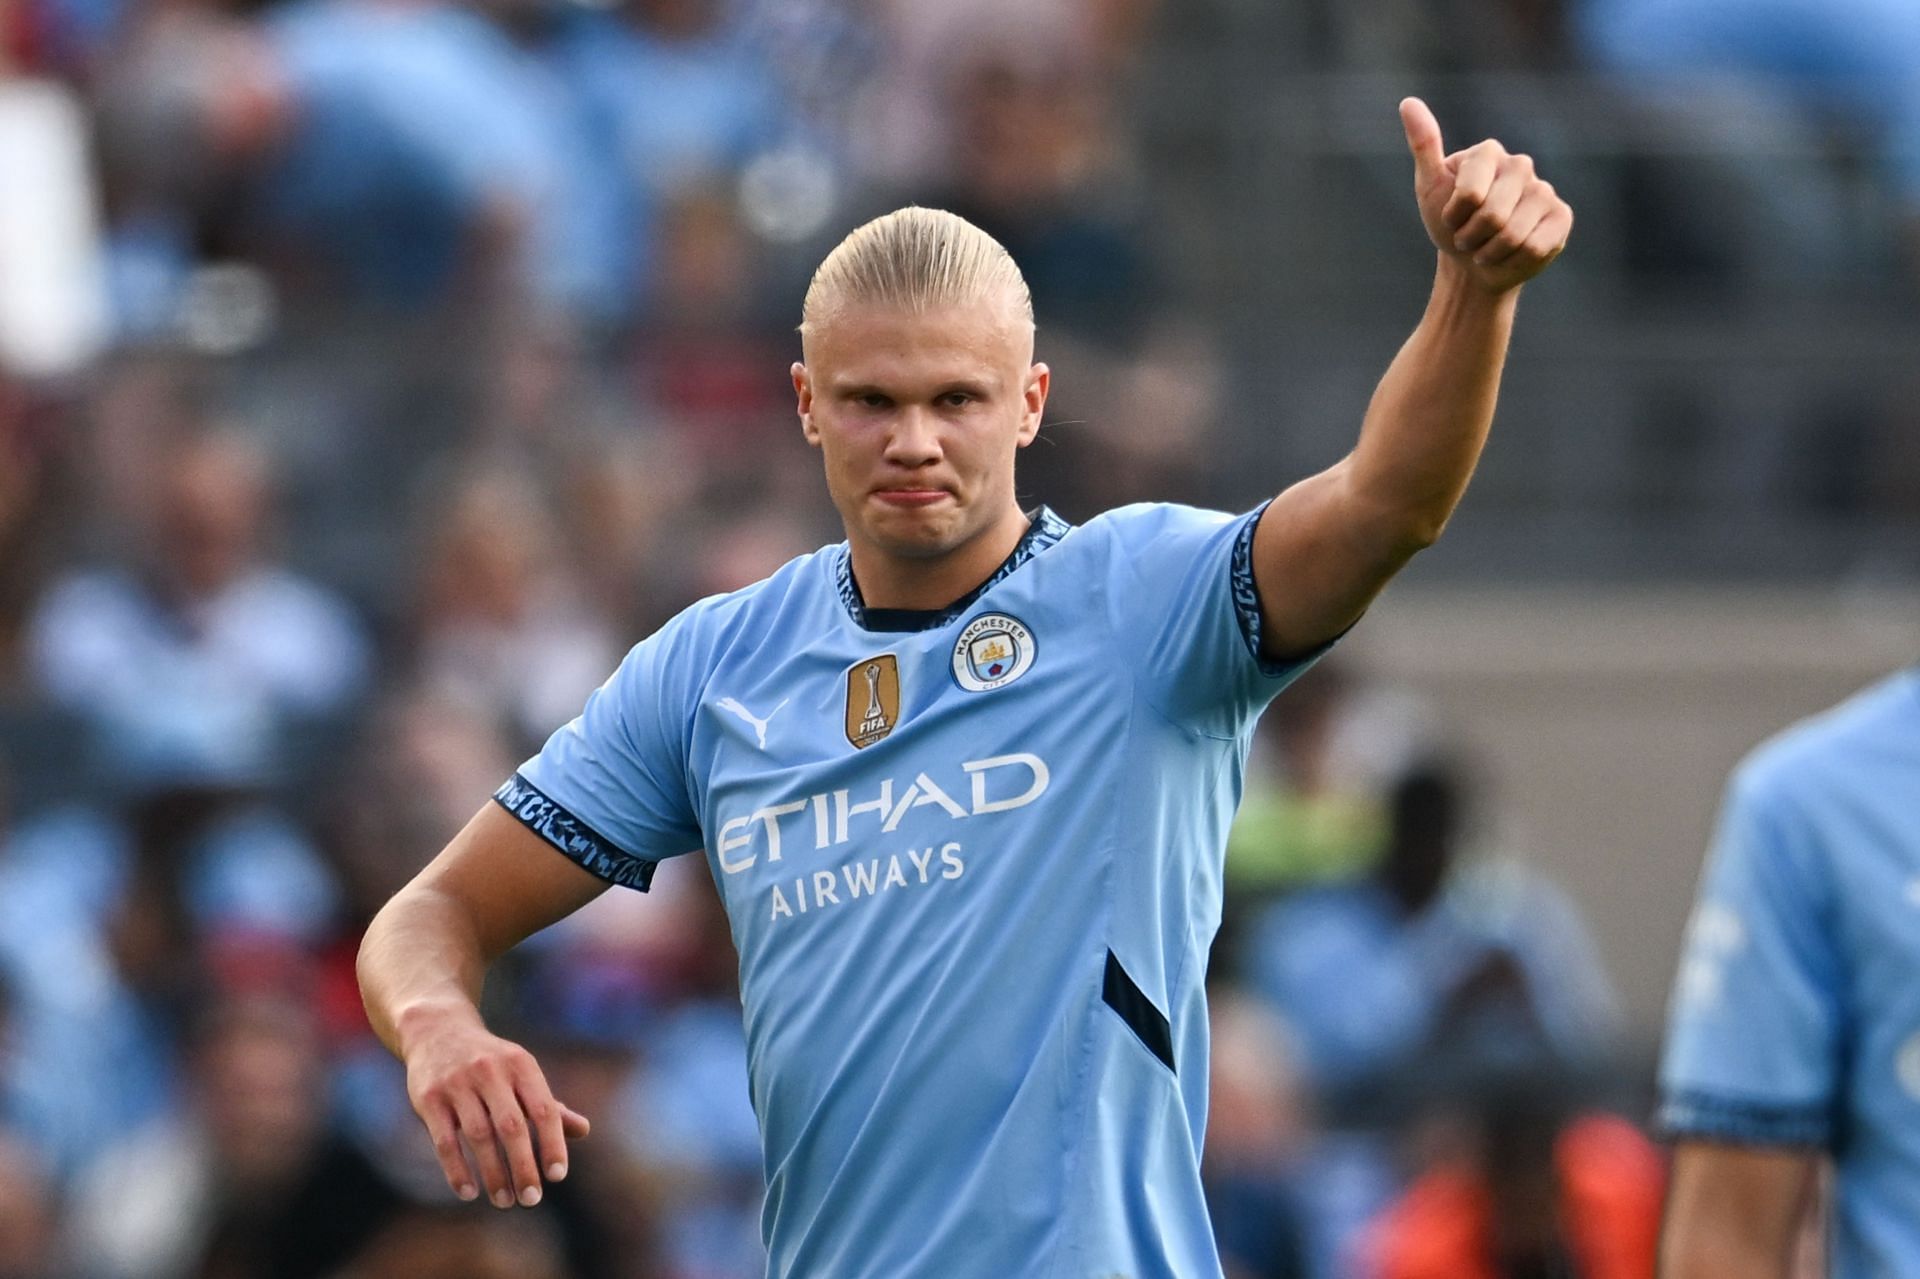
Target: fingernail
(502, 1199)
(466, 1192)
(530, 1196)
(556, 1172)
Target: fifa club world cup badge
(992, 652)
(873, 699)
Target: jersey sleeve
(610, 789)
(1187, 614)
(1754, 1046)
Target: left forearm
(1429, 417)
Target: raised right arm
(421, 967)
(1736, 1212)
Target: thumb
(1423, 139)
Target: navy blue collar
(1043, 530)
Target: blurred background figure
(246, 1179)
(373, 374)
(197, 654)
(29, 1217)
(1531, 1187)
(1429, 964)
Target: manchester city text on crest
(873, 699)
(994, 650)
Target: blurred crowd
(373, 373)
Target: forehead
(862, 343)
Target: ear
(803, 394)
(1033, 405)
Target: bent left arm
(1327, 545)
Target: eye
(956, 399)
(874, 400)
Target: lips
(910, 497)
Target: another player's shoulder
(1837, 749)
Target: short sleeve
(1754, 1045)
(609, 789)
(1186, 611)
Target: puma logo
(759, 725)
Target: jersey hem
(1742, 1122)
(573, 838)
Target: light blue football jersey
(972, 861)
(1796, 1016)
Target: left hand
(1484, 207)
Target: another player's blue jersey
(1796, 1017)
(972, 861)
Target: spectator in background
(388, 154)
(1852, 61)
(29, 1224)
(196, 658)
(246, 1180)
(674, 98)
(1259, 1122)
(1534, 1189)
(503, 624)
(1323, 759)
(1427, 965)
(440, 1244)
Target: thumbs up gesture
(1484, 207)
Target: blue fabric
(413, 122)
(1366, 987)
(924, 924)
(1796, 1014)
(655, 116)
(1860, 57)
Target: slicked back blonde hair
(915, 259)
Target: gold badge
(873, 699)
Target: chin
(917, 535)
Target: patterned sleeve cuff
(1246, 604)
(573, 837)
(1744, 1122)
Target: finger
(1503, 198)
(1550, 237)
(1512, 237)
(446, 1147)
(1423, 140)
(515, 1135)
(477, 1128)
(547, 1117)
(1471, 182)
(573, 1123)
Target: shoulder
(1143, 522)
(1824, 754)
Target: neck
(891, 581)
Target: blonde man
(963, 780)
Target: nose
(914, 440)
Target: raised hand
(1484, 207)
(469, 1085)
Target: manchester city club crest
(993, 651)
(873, 699)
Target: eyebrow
(855, 390)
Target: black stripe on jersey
(572, 837)
(1147, 1023)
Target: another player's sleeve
(1183, 604)
(1754, 1047)
(610, 788)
